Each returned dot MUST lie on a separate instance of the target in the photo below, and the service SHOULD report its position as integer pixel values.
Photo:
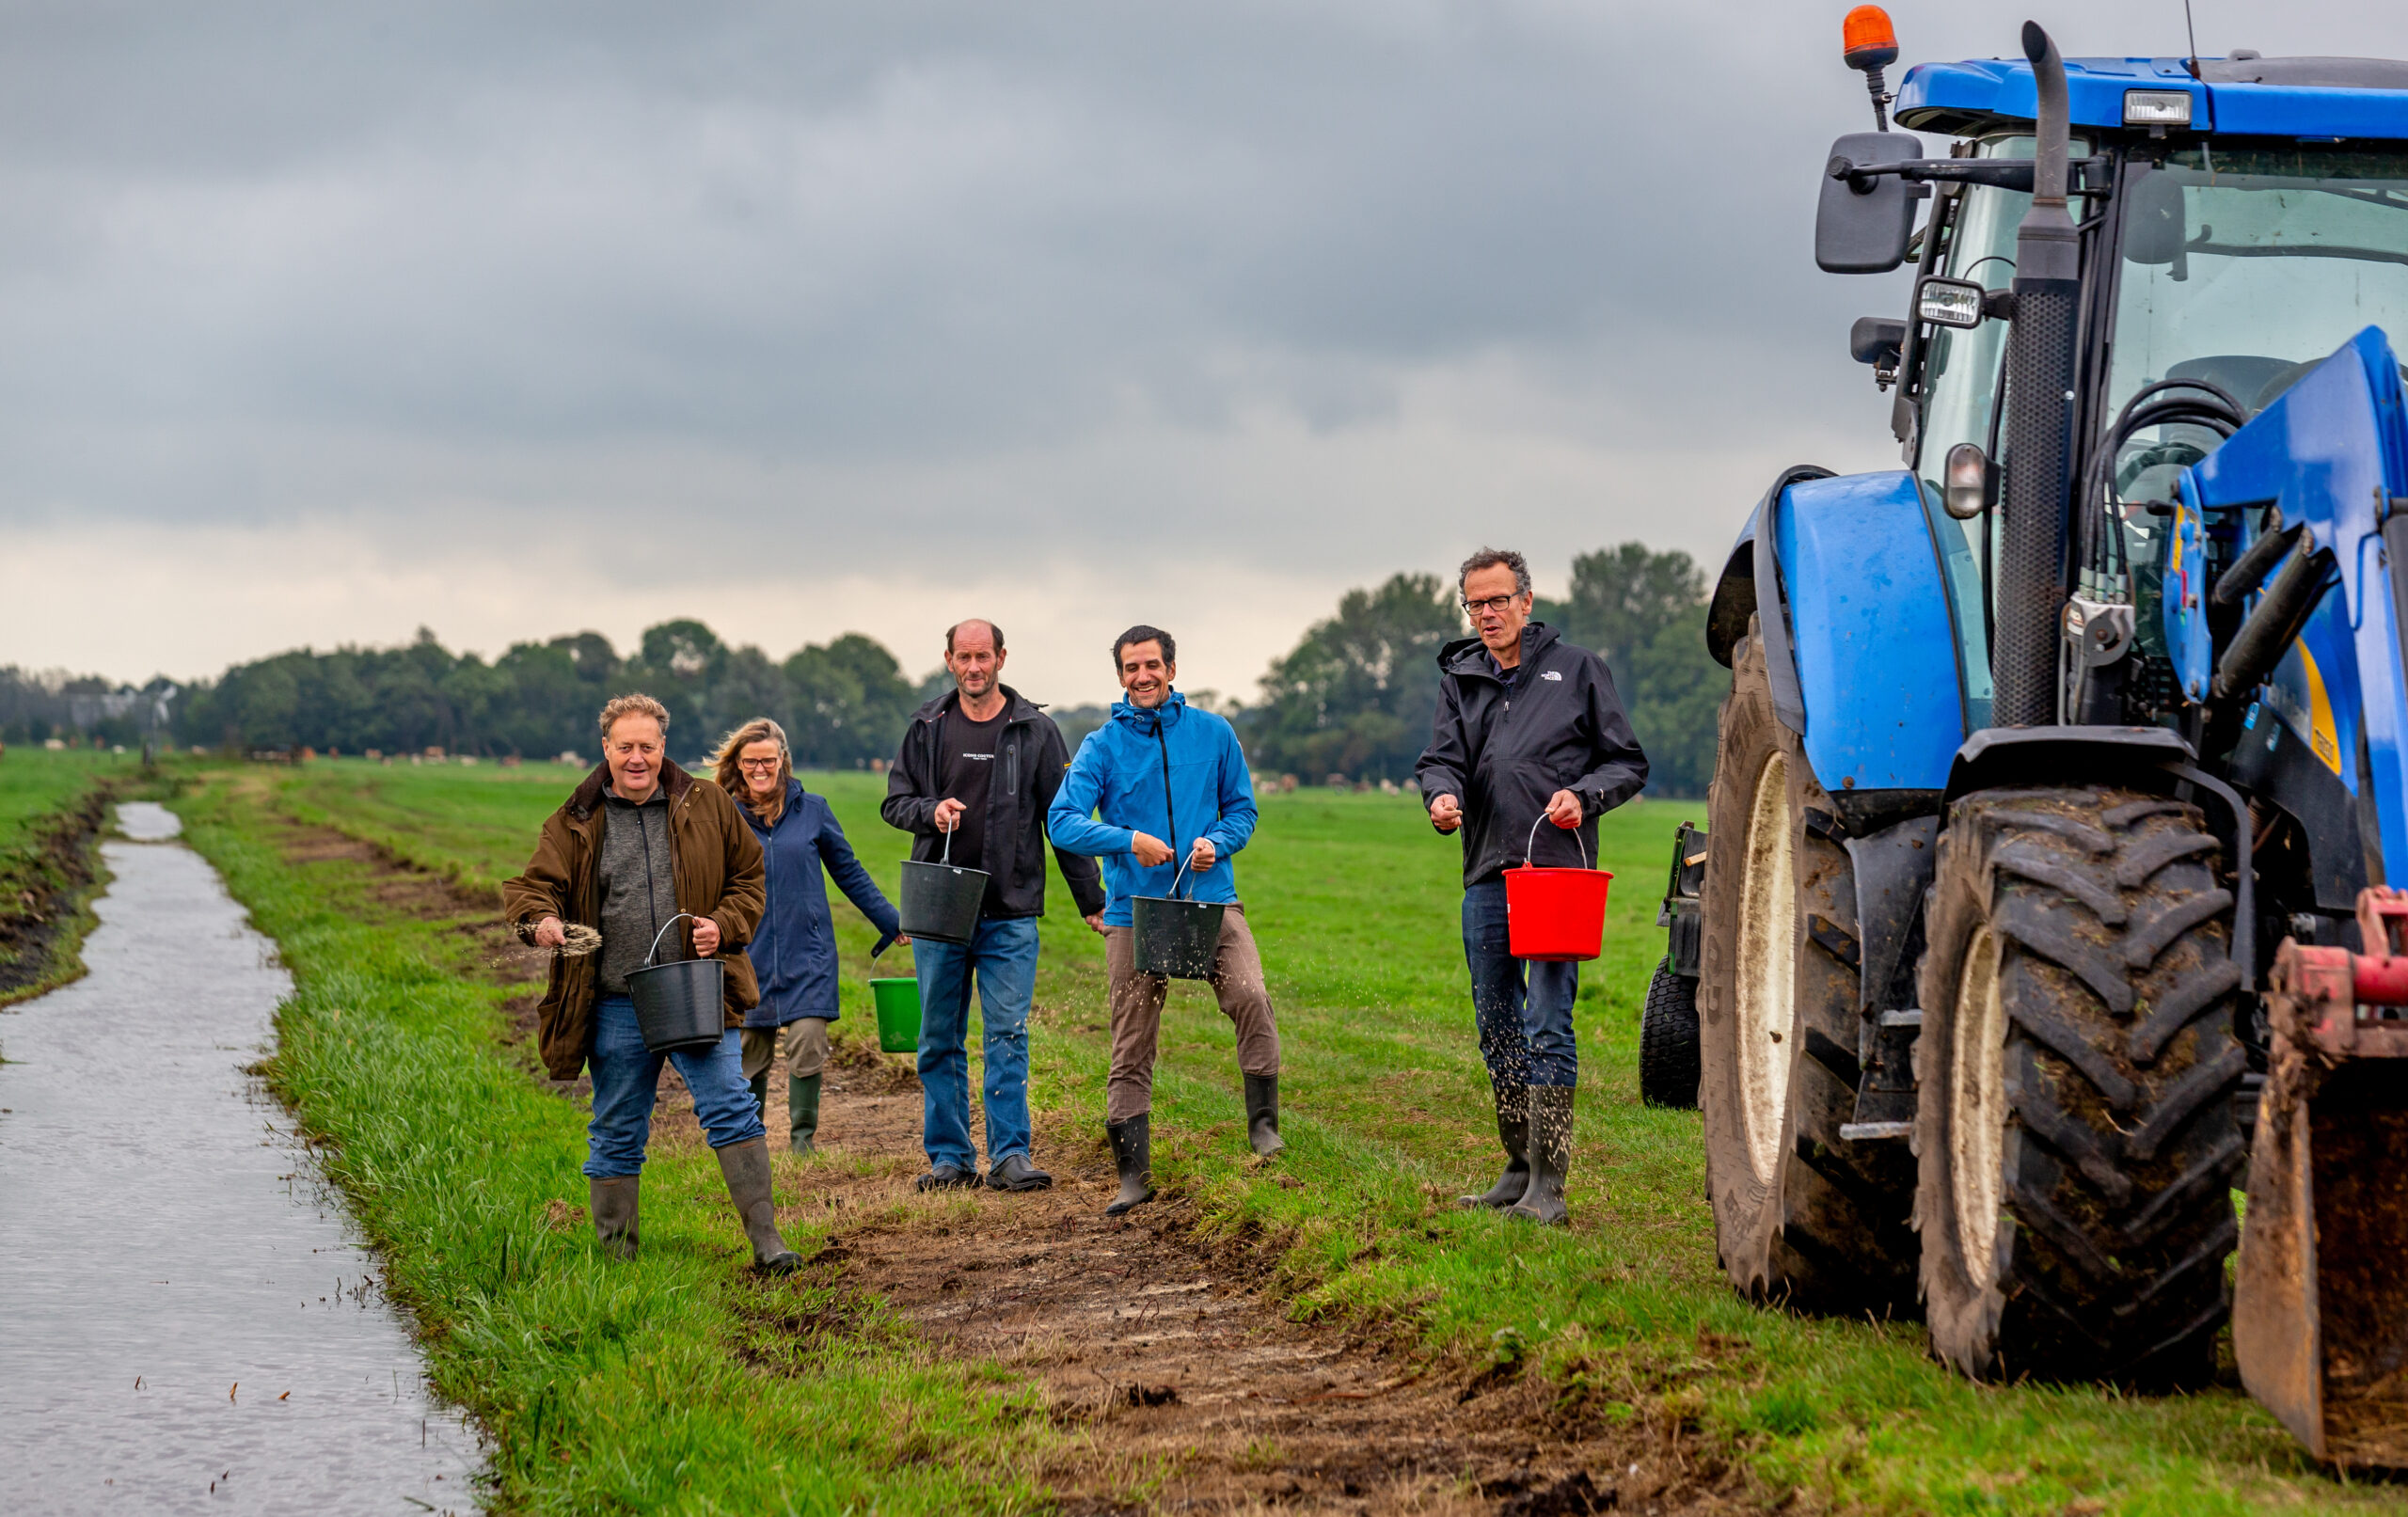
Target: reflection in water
(186, 1320)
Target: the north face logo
(1553, 674)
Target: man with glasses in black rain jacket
(1529, 730)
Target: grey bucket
(1176, 938)
(940, 900)
(679, 1005)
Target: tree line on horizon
(1351, 700)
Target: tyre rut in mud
(2077, 1064)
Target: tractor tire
(2077, 1065)
(1801, 1216)
(1668, 1055)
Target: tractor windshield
(2246, 268)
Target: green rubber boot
(802, 1114)
(759, 1086)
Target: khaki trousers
(1137, 1013)
(806, 1043)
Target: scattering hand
(548, 933)
(1150, 850)
(1447, 813)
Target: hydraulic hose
(2040, 364)
(2260, 645)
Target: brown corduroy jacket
(715, 867)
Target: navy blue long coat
(794, 952)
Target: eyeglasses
(1494, 603)
(768, 766)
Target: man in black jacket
(1528, 729)
(978, 768)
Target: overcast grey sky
(320, 323)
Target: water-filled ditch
(187, 1319)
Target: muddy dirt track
(1179, 1384)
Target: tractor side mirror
(1879, 340)
(1863, 221)
(2153, 230)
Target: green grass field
(666, 1386)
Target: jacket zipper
(1170, 814)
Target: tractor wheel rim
(1977, 1109)
(1767, 978)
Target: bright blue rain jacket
(1177, 773)
(794, 952)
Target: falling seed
(286, 1397)
(137, 1383)
(232, 1389)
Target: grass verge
(603, 1387)
(52, 808)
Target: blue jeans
(627, 1080)
(1003, 955)
(1525, 1025)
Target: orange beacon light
(1868, 42)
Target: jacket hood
(794, 798)
(1166, 714)
(1016, 707)
(588, 792)
(1467, 656)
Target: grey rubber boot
(1262, 1114)
(802, 1114)
(746, 1168)
(1550, 1157)
(759, 1086)
(1514, 1131)
(614, 1203)
(1132, 1150)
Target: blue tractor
(2045, 896)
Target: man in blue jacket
(1158, 792)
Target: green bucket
(899, 1013)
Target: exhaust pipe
(2040, 417)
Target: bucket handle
(947, 860)
(1533, 839)
(1174, 879)
(664, 932)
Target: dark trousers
(1523, 1009)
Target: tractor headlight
(2157, 107)
(1950, 302)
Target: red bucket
(1555, 914)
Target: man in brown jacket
(660, 864)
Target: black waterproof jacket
(1505, 749)
(1029, 761)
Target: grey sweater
(638, 893)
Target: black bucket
(1176, 938)
(940, 900)
(682, 1005)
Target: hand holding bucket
(680, 1005)
(1555, 914)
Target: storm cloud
(319, 324)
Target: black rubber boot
(802, 1114)
(759, 1086)
(1514, 1131)
(1262, 1114)
(746, 1168)
(1550, 1156)
(615, 1205)
(1132, 1150)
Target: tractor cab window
(2242, 268)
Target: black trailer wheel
(1800, 1214)
(1667, 1055)
(2077, 1066)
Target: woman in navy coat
(794, 952)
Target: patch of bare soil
(1182, 1386)
(42, 896)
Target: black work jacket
(1029, 761)
(1505, 746)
